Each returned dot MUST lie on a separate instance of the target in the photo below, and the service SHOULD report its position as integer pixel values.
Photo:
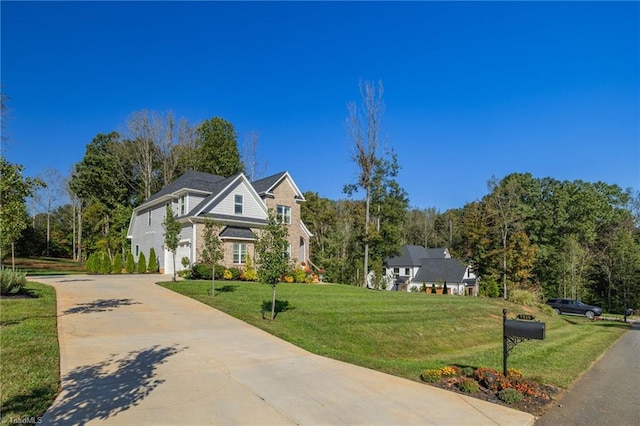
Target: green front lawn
(29, 353)
(405, 333)
(48, 266)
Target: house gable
(222, 203)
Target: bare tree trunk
(363, 126)
(79, 252)
(48, 229)
(273, 304)
(73, 218)
(255, 170)
(366, 241)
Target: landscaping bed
(487, 384)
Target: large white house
(417, 266)
(239, 205)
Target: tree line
(555, 238)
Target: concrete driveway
(135, 353)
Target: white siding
(146, 236)
(251, 207)
(193, 200)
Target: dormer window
(284, 214)
(237, 204)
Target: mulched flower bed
(487, 384)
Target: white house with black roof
(241, 207)
(417, 266)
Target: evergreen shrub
(130, 267)
(105, 263)
(142, 264)
(153, 261)
(116, 268)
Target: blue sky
(472, 90)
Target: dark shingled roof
(263, 185)
(235, 232)
(215, 189)
(435, 270)
(411, 256)
(436, 253)
(199, 181)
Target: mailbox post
(517, 331)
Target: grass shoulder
(30, 362)
(49, 266)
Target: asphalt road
(608, 394)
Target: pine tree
(105, 263)
(153, 261)
(131, 264)
(92, 265)
(142, 264)
(116, 268)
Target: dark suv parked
(574, 307)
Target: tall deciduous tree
(101, 190)
(272, 259)
(255, 169)
(504, 205)
(212, 250)
(172, 230)
(363, 128)
(146, 133)
(217, 148)
(14, 189)
(50, 196)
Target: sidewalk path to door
(607, 394)
(134, 353)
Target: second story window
(237, 204)
(284, 214)
(149, 218)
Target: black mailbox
(526, 329)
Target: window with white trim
(407, 271)
(149, 218)
(182, 203)
(284, 214)
(239, 253)
(237, 204)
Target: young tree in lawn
(272, 258)
(171, 235)
(212, 251)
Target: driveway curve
(133, 352)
